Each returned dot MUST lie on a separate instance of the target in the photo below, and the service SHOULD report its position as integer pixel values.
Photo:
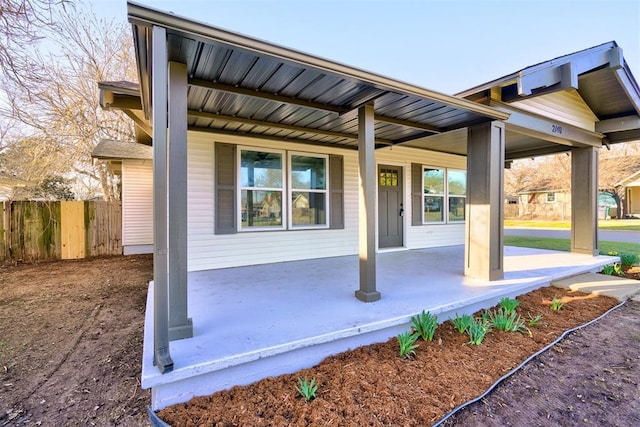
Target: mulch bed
(372, 385)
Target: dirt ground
(71, 343)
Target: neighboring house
(11, 186)
(262, 154)
(132, 162)
(618, 195)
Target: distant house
(11, 186)
(618, 193)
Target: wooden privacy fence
(31, 231)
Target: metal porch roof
(239, 84)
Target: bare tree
(58, 106)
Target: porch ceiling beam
(235, 119)
(535, 152)
(350, 145)
(618, 125)
(266, 95)
(536, 126)
(123, 102)
(407, 123)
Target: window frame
(283, 206)
(464, 196)
(550, 197)
(445, 196)
(291, 190)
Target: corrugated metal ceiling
(242, 85)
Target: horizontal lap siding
(137, 202)
(424, 236)
(209, 251)
(566, 106)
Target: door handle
(401, 213)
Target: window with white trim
(262, 178)
(444, 195)
(551, 197)
(282, 190)
(308, 190)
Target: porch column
(180, 326)
(584, 200)
(367, 207)
(161, 356)
(484, 234)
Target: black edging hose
(520, 366)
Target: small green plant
(628, 259)
(462, 323)
(476, 331)
(505, 321)
(407, 342)
(607, 269)
(425, 324)
(307, 389)
(509, 305)
(556, 304)
(617, 269)
(534, 320)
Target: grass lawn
(610, 224)
(565, 244)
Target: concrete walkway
(626, 236)
(618, 287)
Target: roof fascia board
(527, 123)
(619, 124)
(534, 152)
(629, 85)
(143, 16)
(630, 178)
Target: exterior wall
(633, 200)
(137, 206)
(535, 206)
(209, 251)
(567, 106)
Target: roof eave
(142, 17)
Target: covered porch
(265, 320)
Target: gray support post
(180, 326)
(161, 355)
(584, 201)
(484, 234)
(367, 205)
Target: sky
(447, 46)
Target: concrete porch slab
(620, 288)
(265, 320)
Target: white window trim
(291, 190)
(445, 196)
(283, 206)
